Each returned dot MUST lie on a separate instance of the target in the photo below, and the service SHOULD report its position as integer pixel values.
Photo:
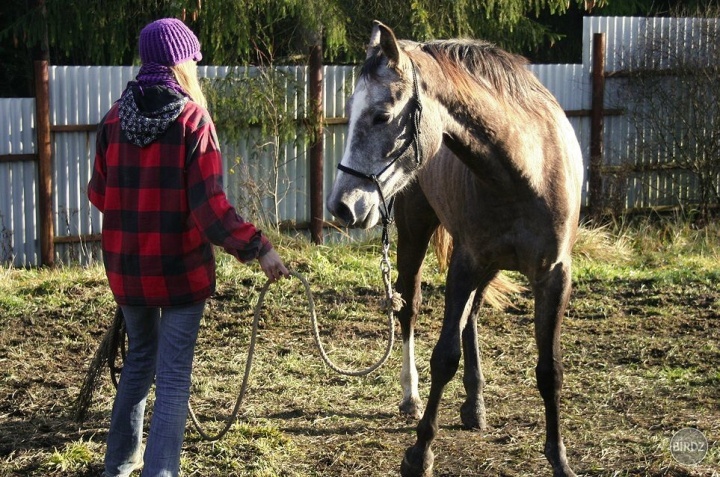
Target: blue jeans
(161, 346)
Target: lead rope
(393, 302)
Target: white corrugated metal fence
(82, 95)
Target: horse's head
(389, 133)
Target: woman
(157, 180)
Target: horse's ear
(374, 39)
(389, 44)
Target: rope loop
(391, 304)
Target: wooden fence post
(44, 152)
(316, 148)
(595, 199)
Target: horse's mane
(468, 62)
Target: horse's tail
(442, 246)
(104, 356)
(497, 293)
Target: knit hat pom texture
(168, 41)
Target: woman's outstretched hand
(273, 266)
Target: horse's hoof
(411, 409)
(417, 463)
(472, 416)
(555, 453)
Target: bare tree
(256, 107)
(673, 100)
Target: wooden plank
(78, 238)
(18, 157)
(74, 128)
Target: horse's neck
(515, 153)
(484, 136)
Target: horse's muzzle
(349, 215)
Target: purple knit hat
(167, 42)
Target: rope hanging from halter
(318, 342)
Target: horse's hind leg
(552, 290)
(472, 412)
(416, 222)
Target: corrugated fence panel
(250, 169)
(294, 180)
(19, 241)
(232, 153)
(638, 158)
(82, 95)
(302, 163)
(620, 138)
(79, 96)
(252, 176)
(621, 34)
(339, 84)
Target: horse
(459, 134)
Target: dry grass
(642, 360)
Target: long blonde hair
(186, 75)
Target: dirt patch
(642, 361)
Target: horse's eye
(381, 118)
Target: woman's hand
(273, 266)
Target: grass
(642, 360)
(73, 457)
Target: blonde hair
(186, 75)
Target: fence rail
(80, 95)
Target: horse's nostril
(343, 212)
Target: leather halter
(416, 114)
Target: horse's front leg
(410, 257)
(411, 405)
(418, 461)
(416, 222)
(552, 291)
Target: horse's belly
(504, 230)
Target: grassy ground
(642, 360)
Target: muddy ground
(642, 361)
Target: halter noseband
(375, 178)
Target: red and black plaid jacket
(163, 207)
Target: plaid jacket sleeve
(216, 218)
(96, 186)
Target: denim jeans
(161, 346)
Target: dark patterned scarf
(143, 127)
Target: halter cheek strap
(415, 124)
